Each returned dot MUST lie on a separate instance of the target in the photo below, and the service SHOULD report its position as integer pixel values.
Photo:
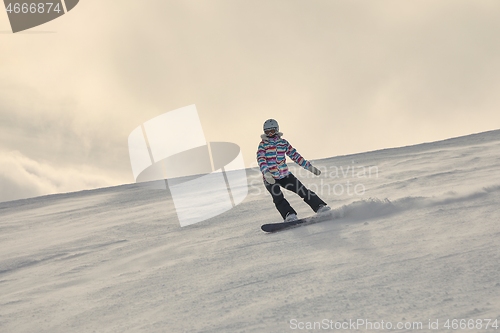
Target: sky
(341, 77)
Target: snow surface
(416, 241)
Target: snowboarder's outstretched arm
(297, 158)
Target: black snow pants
(291, 183)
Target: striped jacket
(271, 156)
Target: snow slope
(416, 239)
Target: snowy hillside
(416, 241)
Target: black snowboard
(273, 227)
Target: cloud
(22, 177)
(60, 131)
(340, 76)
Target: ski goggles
(270, 131)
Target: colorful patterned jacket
(271, 156)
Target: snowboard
(274, 227)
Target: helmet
(271, 123)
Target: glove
(314, 170)
(269, 178)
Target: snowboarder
(272, 163)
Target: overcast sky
(340, 77)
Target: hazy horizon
(340, 77)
